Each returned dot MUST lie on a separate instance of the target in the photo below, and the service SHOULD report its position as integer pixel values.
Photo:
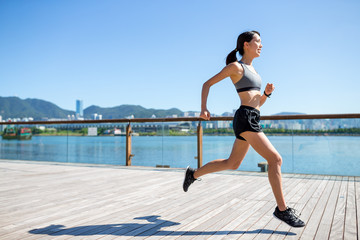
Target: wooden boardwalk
(63, 201)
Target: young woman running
(246, 122)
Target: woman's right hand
(205, 114)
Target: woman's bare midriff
(250, 98)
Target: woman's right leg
(239, 150)
(263, 146)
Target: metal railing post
(199, 144)
(128, 145)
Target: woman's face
(253, 47)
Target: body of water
(334, 155)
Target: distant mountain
(14, 107)
(124, 111)
(290, 113)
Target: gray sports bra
(249, 80)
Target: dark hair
(244, 37)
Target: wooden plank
(324, 226)
(357, 196)
(313, 221)
(350, 215)
(307, 206)
(337, 226)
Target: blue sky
(158, 53)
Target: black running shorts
(246, 119)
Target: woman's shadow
(153, 227)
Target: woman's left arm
(268, 90)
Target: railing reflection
(323, 144)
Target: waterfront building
(224, 124)
(96, 116)
(298, 126)
(79, 108)
(209, 125)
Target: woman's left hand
(269, 88)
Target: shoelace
(294, 212)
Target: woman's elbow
(206, 85)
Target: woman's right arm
(229, 70)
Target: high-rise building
(79, 108)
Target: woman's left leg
(239, 150)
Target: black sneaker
(189, 178)
(289, 216)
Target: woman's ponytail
(231, 57)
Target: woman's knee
(232, 165)
(276, 160)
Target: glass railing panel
(179, 144)
(164, 144)
(330, 146)
(147, 144)
(50, 143)
(96, 143)
(43, 145)
(10, 146)
(280, 134)
(284, 145)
